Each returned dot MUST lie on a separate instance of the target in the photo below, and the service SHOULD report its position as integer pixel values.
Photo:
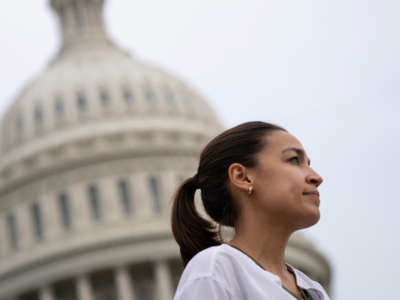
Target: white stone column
(51, 215)
(80, 209)
(45, 293)
(111, 204)
(84, 288)
(25, 230)
(124, 284)
(142, 202)
(163, 281)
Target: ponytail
(192, 232)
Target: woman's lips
(314, 195)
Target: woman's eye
(294, 159)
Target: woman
(255, 177)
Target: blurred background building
(92, 150)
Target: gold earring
(250, 190)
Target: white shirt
(225, 273)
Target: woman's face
(285, 186)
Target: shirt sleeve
(204, 288)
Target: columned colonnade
(124, 285)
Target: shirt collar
(302, 281)
(306, 283)
(275, 278)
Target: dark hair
(239, 144)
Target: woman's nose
(314, 178)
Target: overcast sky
(328, 71)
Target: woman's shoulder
(214, 264)
(209, 262)
(207, 275)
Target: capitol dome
(93, 91)
(92, 150)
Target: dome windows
(49, 115)
(104, 96)
(59, 107)
(62, 215)
(38, 115)
(81, 101)
(149, 94)
(65, 210)
(94, 199)
(37, 221)
(13, 231)
(127, 94)
(125, 196)
(155, 194)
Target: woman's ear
(239, 177)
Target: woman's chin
(309, 219)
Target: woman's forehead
(279, 140)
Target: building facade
(92, 151)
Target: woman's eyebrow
(299, 151)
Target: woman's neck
(267, 247)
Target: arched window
(37, 221)
(38, 115)
(13, 231)
(59, 107)
(125, 196)
(65, 210)
(104, 96)
(95, 205)
(127, 94)
(155, 194)
(81, 101)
